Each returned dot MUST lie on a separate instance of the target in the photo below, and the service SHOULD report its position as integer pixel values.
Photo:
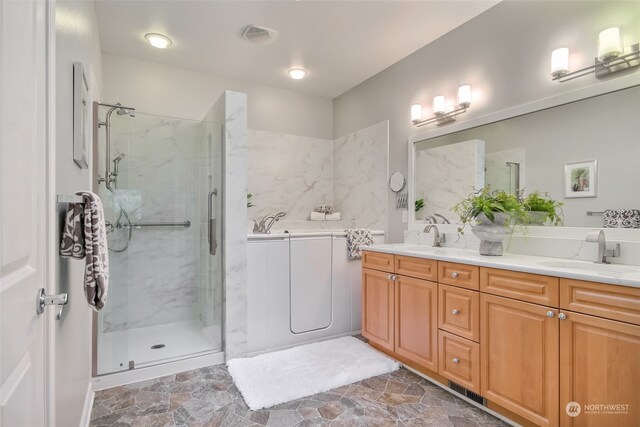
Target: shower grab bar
(185, 224)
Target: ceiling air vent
(257, 34)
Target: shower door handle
(211, 221)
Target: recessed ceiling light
(158, 40)
(297, 73)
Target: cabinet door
(520, 358)
(599, 365)
(417, 321)
(377, 307)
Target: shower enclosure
(160, 182)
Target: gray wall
(178, 92)
(76, 40)
(503, 53)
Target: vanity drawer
(377, 261)
(600, 299)
(416, 267)
(459, 360)
(463, 275)
(527, 287)
(459, 311)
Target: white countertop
(281, 234)
(615, 274)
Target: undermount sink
(578, 265)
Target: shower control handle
(213, 243)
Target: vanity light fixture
(611, 58)
(440, 113)
(157, 40)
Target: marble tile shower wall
(155, 281)
(288, 173)
(360, 176)
(295, 174)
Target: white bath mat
(282, 376)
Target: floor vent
(467, 393)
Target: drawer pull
(456, 360)
(455, 311)
(454, 274)
(551, 313)
(562, 316)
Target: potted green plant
(541, 208)
(493, 215)
(419, 204)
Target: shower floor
(180, 339)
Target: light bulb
(158, 40)
(609, 45)
(560, 62)
(297, 73)
(464, 96)
(416, 113)
(439, 104)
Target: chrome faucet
(264, 224)
(444, 220)
(437, 238)
(597, 236)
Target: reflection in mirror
(529, 152)
(445, 175)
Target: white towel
(333, 216)
(317, 216)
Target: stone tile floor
(208, 397)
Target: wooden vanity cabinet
(378, 309)
(528, 343)
(599, 364)
(416, 321)
(520, 357)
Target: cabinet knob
(455, 360)
(454, 274)
(562, 316)
(391, 277)
(550, 313)
(455, 311)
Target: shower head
(125, 111)
(115, 163)
(117, 159)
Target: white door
(23, 209)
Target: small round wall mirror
(396, 182)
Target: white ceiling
(340, 43)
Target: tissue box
(622, 218)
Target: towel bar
(594, 213)
(69, 199)
(185, 224)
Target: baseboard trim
(88, 405)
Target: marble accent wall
(232, 107)
(155, 280)
(360, 177)
(295, 174)
(288, 173)
(446, 175)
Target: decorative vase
(492, 233)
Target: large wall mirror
(585, 154)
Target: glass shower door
(165, 290)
